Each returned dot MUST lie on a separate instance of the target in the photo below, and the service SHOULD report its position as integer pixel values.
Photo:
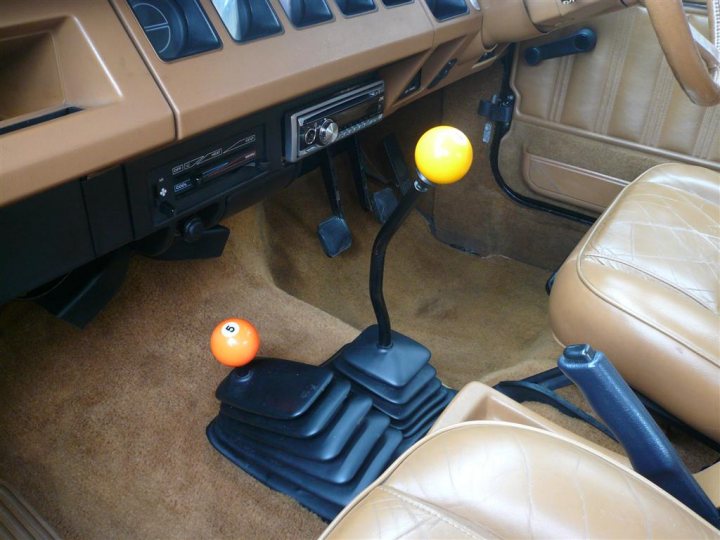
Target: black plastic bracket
(202, 244)
(497, 110)
(581, 41)
(84, 292)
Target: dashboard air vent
(304, 13)
(447, 9)
(393, 3)
(355, 7)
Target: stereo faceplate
(323, 123)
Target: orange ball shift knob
(234, 342)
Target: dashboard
(120, 120)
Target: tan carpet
(103, 429)
(474, 213)
(483, 318)
(475, 314)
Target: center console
(479, 402)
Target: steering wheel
(693, 58)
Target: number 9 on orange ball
(234, 342)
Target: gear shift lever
(393, 368)
(322, 434)
(443, 155)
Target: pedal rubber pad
(384, 203)
(335, 237)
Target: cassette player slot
(183, 186)
(196, 178)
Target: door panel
(586, 125)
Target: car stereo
(321, 124)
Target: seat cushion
(643, 286)
(500, 480)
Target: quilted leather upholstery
(644, 287)
(499, 480)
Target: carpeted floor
(102, 430)
(477, 315)
(483, 318)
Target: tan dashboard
(93, 57)
(71, 54)
(241, 78)
(82, 88)
(143, 123)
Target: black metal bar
(361, 183)
(377, 262)
(331, 183)
(541, 387)
(522, 391)
(501, 129)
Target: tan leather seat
(643, 286)
(500, 480)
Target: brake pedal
(334, 232)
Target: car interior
(359, 269)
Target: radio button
(328, 132)
(310, 136)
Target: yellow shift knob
(443, 155)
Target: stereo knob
(328, 132)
